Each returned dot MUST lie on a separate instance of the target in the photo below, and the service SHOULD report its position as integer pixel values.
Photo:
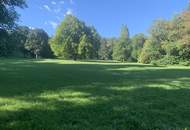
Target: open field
(68, 95)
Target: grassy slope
(66, 95)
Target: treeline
(20, 41)
(75, 40)
(168, 41)
(24, 42)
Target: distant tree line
(168, 41)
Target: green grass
(68, 95)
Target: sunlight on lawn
(50, 93)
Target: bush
(155, 63)
(185, 63)
(167, 60)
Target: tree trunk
(36, 56)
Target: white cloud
(47, 8)
(69, 12)
(53, 3)
(53, 24)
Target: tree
(137, 42)
(4, 47)
(67, 39)
(160, 30)
(122, 50)
(37, 43)
(18, 37)
(8, 15)
(106, 48)
(94, 38)
(150, 51)
(85, 49)
(170, 48)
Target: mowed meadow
(92, 95)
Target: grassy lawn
(68, 95)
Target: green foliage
(18, 38)
(167, 60)
(85, 48)
(185, 63)
(7, 46)
(171, 38)
(122, 49)
(37, 43)
(68, 37)
(8, 14)
(170, 48)
(137, 43)
(150, 52)
(184, 51)
(160, 30)
(4, 49)
(106, 48)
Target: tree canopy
(73, 39)
(122, 49)
(168, 41)
(8, 15)
(37, 43)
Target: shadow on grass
(93, 96)
(139, 109)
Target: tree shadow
(42, 95)
(139, 109)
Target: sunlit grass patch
(58, 94)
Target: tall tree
(137, 42)
(122, 50)
(67, 39)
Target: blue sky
(106, 16)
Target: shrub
(167, 60)
(185, 63)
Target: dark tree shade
(8, 15)
(37, 43)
